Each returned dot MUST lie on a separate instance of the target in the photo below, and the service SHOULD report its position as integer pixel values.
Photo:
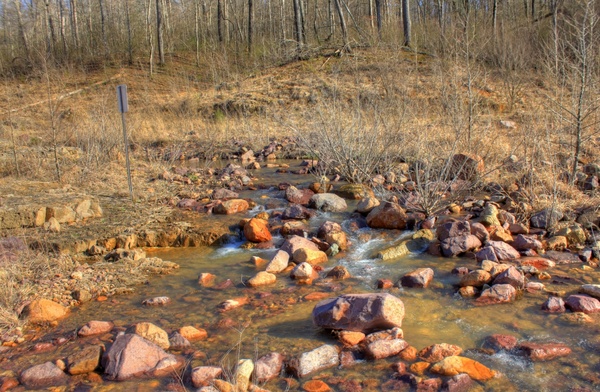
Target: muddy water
(278, 316)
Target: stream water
(278, 317)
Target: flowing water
(278, 317)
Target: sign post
(123, 108)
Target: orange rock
(101, 298)
(316, 296)
(419, 368)
(257, 230)
(315, 386)
(191, 333)
(44, 310)
(351, 338)
(453, 365)
(409, 354)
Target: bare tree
(159, 34)
(406, 24)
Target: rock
(589, 219)
(332, 233)
(298, 196)
(44, 311)
(268, 367)
(242, 375)
(318, 359)
(315, 386)
(497, 251)
(479, 231)
(489, 216)
(351, 338)
(278, 263)
(387, 216)
(204, 375)
(367, 205)
(563, 257)
(192, 333)
(312, 257)
(296, 211)
(43, 376)
(387, 334)
(466, 166)
(293, 243)
(232, 206)
(498, 342)
(384, 348)
(339, 272)
(518, 228)
(84, 361)
(156, 301)
(328, 202)
(420, 277)
(416, 245)
(575, 234)
(231, 304)
(206, 279)
(81, 295)
(132, 356)
(523, 242)
(554, 305)
(248, 156)
(540, 352)
(359, 312)
(178, 342)
(294, 228)
(257, 230)
(454, 246)
(153, 334)
(262, 278)
(454, 365)
(453, 229)
(437, 352)
(304, 273)
(224, 194)
(497, 233)
(511, 276)
(538, 262)
(459, 383)
(95, 328)
(61, 214)
(591, 290)
(497, 294)
(52, 225)
(557, 243)
(354, 191)
(582, 303)
(545, 218)
(476, 278)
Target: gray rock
(453, 229)
(328, 202)
(312, 361)
(43, 376)
(545, 218)
(454, 246)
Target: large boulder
(294, 242)
(387, 216)
(359, 312)
(85, 360)
(278, 263)
(43, 376)
(133, 356)
(354, 191)
(582, 303)
(545, 218)
(312, 257)
(511, 276)
(540, 352)
(384, 348)
(525, 242)
(421, 277)
(497, 251)
(95, 327)
(296, 211)
(257, 230)
(332, 233)
(320, 358)
(328, 202)
(453, 229)
(262, 278)
(497, 294)
(44, 311)
(454, 246)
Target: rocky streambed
(335, 291)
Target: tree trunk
(159, 34)
(22, 29)
(129, 38)
(197, 31)
(340, 12)
(103, 27)
(378, 16)
(250, 25)
(74, 24)
(298, 26)
(495, 19)
(406, 22)
(50, 26)
(221, 21)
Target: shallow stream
(278, 317)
